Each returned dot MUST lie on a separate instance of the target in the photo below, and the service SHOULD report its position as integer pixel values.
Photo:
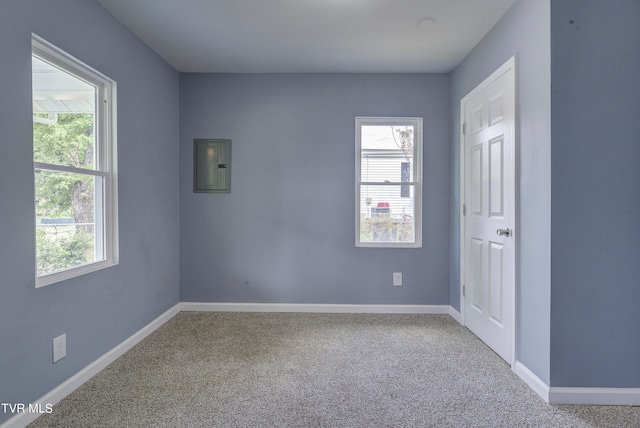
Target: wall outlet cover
(397, 279)
(59, 347)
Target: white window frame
(106, 199)
(416, 123)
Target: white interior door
(488, 246)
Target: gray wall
(524, 31)
(99, 310)
(286, 232)
(595, 51)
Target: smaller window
(389, 182)
(73, 165)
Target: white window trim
(416, 123)
(106, 155)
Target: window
(74, 156)
(388, 182)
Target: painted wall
(99, 310)
(524, 31)
(286, 232)
(595, 52)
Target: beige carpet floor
(316, 370)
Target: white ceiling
(266, 36)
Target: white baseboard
(595, 396)
(455, 314)
(569, 395)
(310, 307)
(533, 381)
(54, 396)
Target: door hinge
(464, 290)
(464, 129)
(464, 209)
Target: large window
(74, 166)
(388, 181)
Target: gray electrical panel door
(211, 166)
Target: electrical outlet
(59, 347)
(397, 279)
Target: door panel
(476, 180)
(476, 120)
(496, 177)
(496, 265)
(476, 274)
(489, 192)
(495, 108)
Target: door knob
(504, 232)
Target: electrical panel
(211, 166)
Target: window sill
(388, 245)
(63, 275)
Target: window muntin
(388, 182)
(74, 166)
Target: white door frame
(511, 63)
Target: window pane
(386, 215)
(66, 234)
(383, 150)
(63, 117)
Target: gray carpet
(316, 370)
